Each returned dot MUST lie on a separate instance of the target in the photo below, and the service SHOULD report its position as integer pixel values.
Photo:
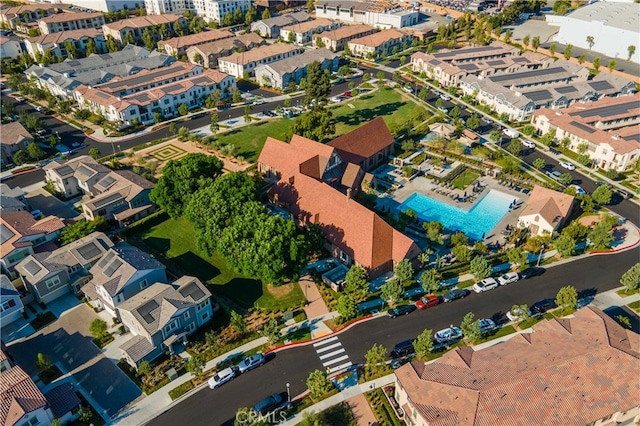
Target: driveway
(50, 205)
(68, 343)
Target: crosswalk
(332, 354)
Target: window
(6, 305)
(205, 316)
(186, 315)
(143, 284)
(170, 327)
(31, 422)
(52, 282)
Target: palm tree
(631, 49)
(590, 41)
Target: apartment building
(10, 47)
(270, 27)
(337, 39)
(210, 10)
(501, 100)
(178, 46)
(207, 54)
(69, 21)
(244, 64)
(281, 73)
(378, 13)
(304, 32)
(57, 42)
(136, 26)
(374, 45)
(608, 128)
(24, 17)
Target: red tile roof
(568, 371)
(363, 142)
(19, 395)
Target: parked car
(528, 144)
(41, 132)
(258, 102)
(400, 310)
(534, 271)
(486, 325)
(39, 108)
(443, 109)
(517, 314)
(269, 404)
(554, 175)
(448, 334)
(579, 190)
(336, 99)
(403, 349)
(251, 362)
(508, 278)
(485, 285)
(486, 120)
(543, 306)
(428, 301)
(19, 99)
(347, 94)
(455, 294)
(445, 97)
(624, 194)
(567, 165)
(222, 377)
(408, 89)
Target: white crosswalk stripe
(332, 354)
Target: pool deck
(428, 188)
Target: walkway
(362, 411)
(315, 306)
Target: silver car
(222, 377)
(251, 362)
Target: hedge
(180, 390)
(145, 223)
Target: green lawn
(177, 240)
(250, 139)
(464, 179)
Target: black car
(455, 294)
(269, 404)
(531, 272)
(543, 306)
(400, 310)
(403, 349)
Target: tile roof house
(120, 274)
(270, 28)
(136, 26)
(20, 233)
(49, 275)
(177, 46)
(545, 211)
(10, 47)
(63, 402)
(568, 371)
(14, 138)
(56, 42)
(12, 199)
(210, 52)
(304, 32)
(69, 21)
(11, 306)
(162, 316)
(24, 16)
(76, 176)
(376, 44)
(280, 74)
(337, 39)
(315, 184)
(367, 146)
(243, 64)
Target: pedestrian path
(332, 355)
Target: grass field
(250, 139)
(177, 240)
(464, 179)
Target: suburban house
(12, 199)
(315, 184)
(11, 307)
(561, 374)
(270, 27)
(177, 46)
(379, 13)
(207, 54)
(304, 32)
(545, 211)
(136, 26)
(24, 17)
(14, 138)
(608, 129)
(374, 45)
(377, 149)
(10, 47)
(121, 274)
(162, 316)
(337, 39)
(70, 21)
(76, 176)
(21, 233)
(243, 64)
(280, 74)
(52, 274)
(56, 42)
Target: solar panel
(496, 62)
(565, 89)
(111, 269)
(600, 85)
(605, 111)
(193, 290)
(85, 171)
(582, 126)
(146, 310)
(106, 200)
(89, 251)
(106, 259)
(539, 95)
(107, 181)
(5, 234)
(528, 74)
(64, 170)
(32, 268)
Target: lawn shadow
(161, 244)
(366, 114)
(244, 291)
(193, 264)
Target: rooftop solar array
(84, 170)
(528, 74)
(5, 234)
(600, 85)
(106, 260)
(106, 200)
(64, 170)
(111, 269)
(611, 110)
(192, 289)
(89, 251)
(582, 126)
(107, 181)
(539, 95)
(32, 268)
(468, 67)
(565, 89)
(635, 137)
(146, 310)
(496, 62)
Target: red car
(428, 301)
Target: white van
(511, 133)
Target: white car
(222, 377)
(517, 314)
(448, 335)
(445, 97)
(485, 285)
(19, 99)
(567, 165)
(508, 278)
(336, 99)
(579, 190)
(443, 109)
(486, 325)
(528, 144)
(407, 89)
(39, 109)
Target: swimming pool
(481, 219)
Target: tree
(356, 280)
(34, 151)
(157, 117)
(462, 253)
(630, 50)
(564, 244)
(318, 383)
(590, 41)
(567, 51)
(526, 39)
(517, 256)
(581, 59)
(164, 31)
(173, 128)
(601, 236)
(495, 136)
(565, 179)
(567, 298)
(238, 322)
(375, 359)
(631, 278)
(94, 153)
(43, 362)
(392, 290)
(183, 178)
(250, 16)
(552, 49)
(316, 124)
(433, 231)
(183, 109)
(522, 312)
(195, 365)
(539, 163)
(459, 239)
(129, 39)
(197, 58)
(471, 328)
(430, 280)
(82, 228)
(480, 267)
(602, 195)
(404, 270)
(612, 65)
(266, 14)
(347, 307)
(72, 50)
(473, 122)
(507, 36)
(423, 344)
(271, 331)
(179, 29)
(596, 63)
(144, 368)
(215, 123)
(20, 157)
(147, 39)
(515, 146)
(439, 103)
(98, 328)
(318, 92)
(535, 43)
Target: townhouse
(14, 138)
(545, 211)
(137, 26)
(270, 28)
(69, 21)
(49, 275)
(12, 199)
(607, 130)
(10, 47)
(57, 42)
(380, 43)
(120, 274)
(11, 306)
(337, 39)
(207, 54)
(280, 74)
(177, 46)
(305, 32)
(210, 10)
(22, 18)
(499, 98)
(162, 316)
(379, 13)
(244, 64)
(75, 177)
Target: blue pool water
(481, 219)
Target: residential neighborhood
(269, 212)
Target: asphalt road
(214, 407)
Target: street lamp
(119, 150)
(288, 392)
(540, 255)
(113, 147)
